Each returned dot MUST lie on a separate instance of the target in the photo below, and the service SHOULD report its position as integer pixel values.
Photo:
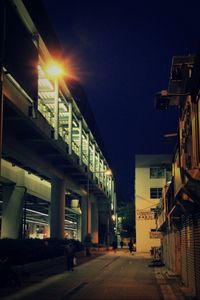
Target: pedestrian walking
(130, 245)
(114, 245)
(70, 255)
(121, 244)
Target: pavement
(35, 273)
(170, 283)
(166, 282)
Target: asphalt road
(111, 276)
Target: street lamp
(54, 70)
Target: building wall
(145, 220)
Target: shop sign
(145, 215)
(155, 235)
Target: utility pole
(2, 52)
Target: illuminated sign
(145, 215)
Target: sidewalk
(37, 272)
(169, 282)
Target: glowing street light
(108, 172)
(54, 70)
(113, 217)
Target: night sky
(121, 52)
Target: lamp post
(54, 70)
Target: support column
(95, 222)
(108, 230)
(57, 208)
(12, 212)
(102, 225)
(89, 217)
(84, 217)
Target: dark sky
(121, 53)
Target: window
(155, 193)
(157, 172)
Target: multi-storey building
(179, 216)
(53, 166)
(151, 174)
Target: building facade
(53, 178)
(178, 216)
(151, 174)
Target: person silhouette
(70, 254)
(130, 246)
(114, 244)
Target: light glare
(54, 70)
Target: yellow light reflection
(108, 172)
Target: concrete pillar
(84, 217)
(95, 222)
(12, 211)
(89, 217)
(108, 230)
(57, 208)
(47, 227)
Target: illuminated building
(151, 174)
(51, 150)
(179, 216)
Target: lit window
(155, 193)
(157, 172)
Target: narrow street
(117, 275)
